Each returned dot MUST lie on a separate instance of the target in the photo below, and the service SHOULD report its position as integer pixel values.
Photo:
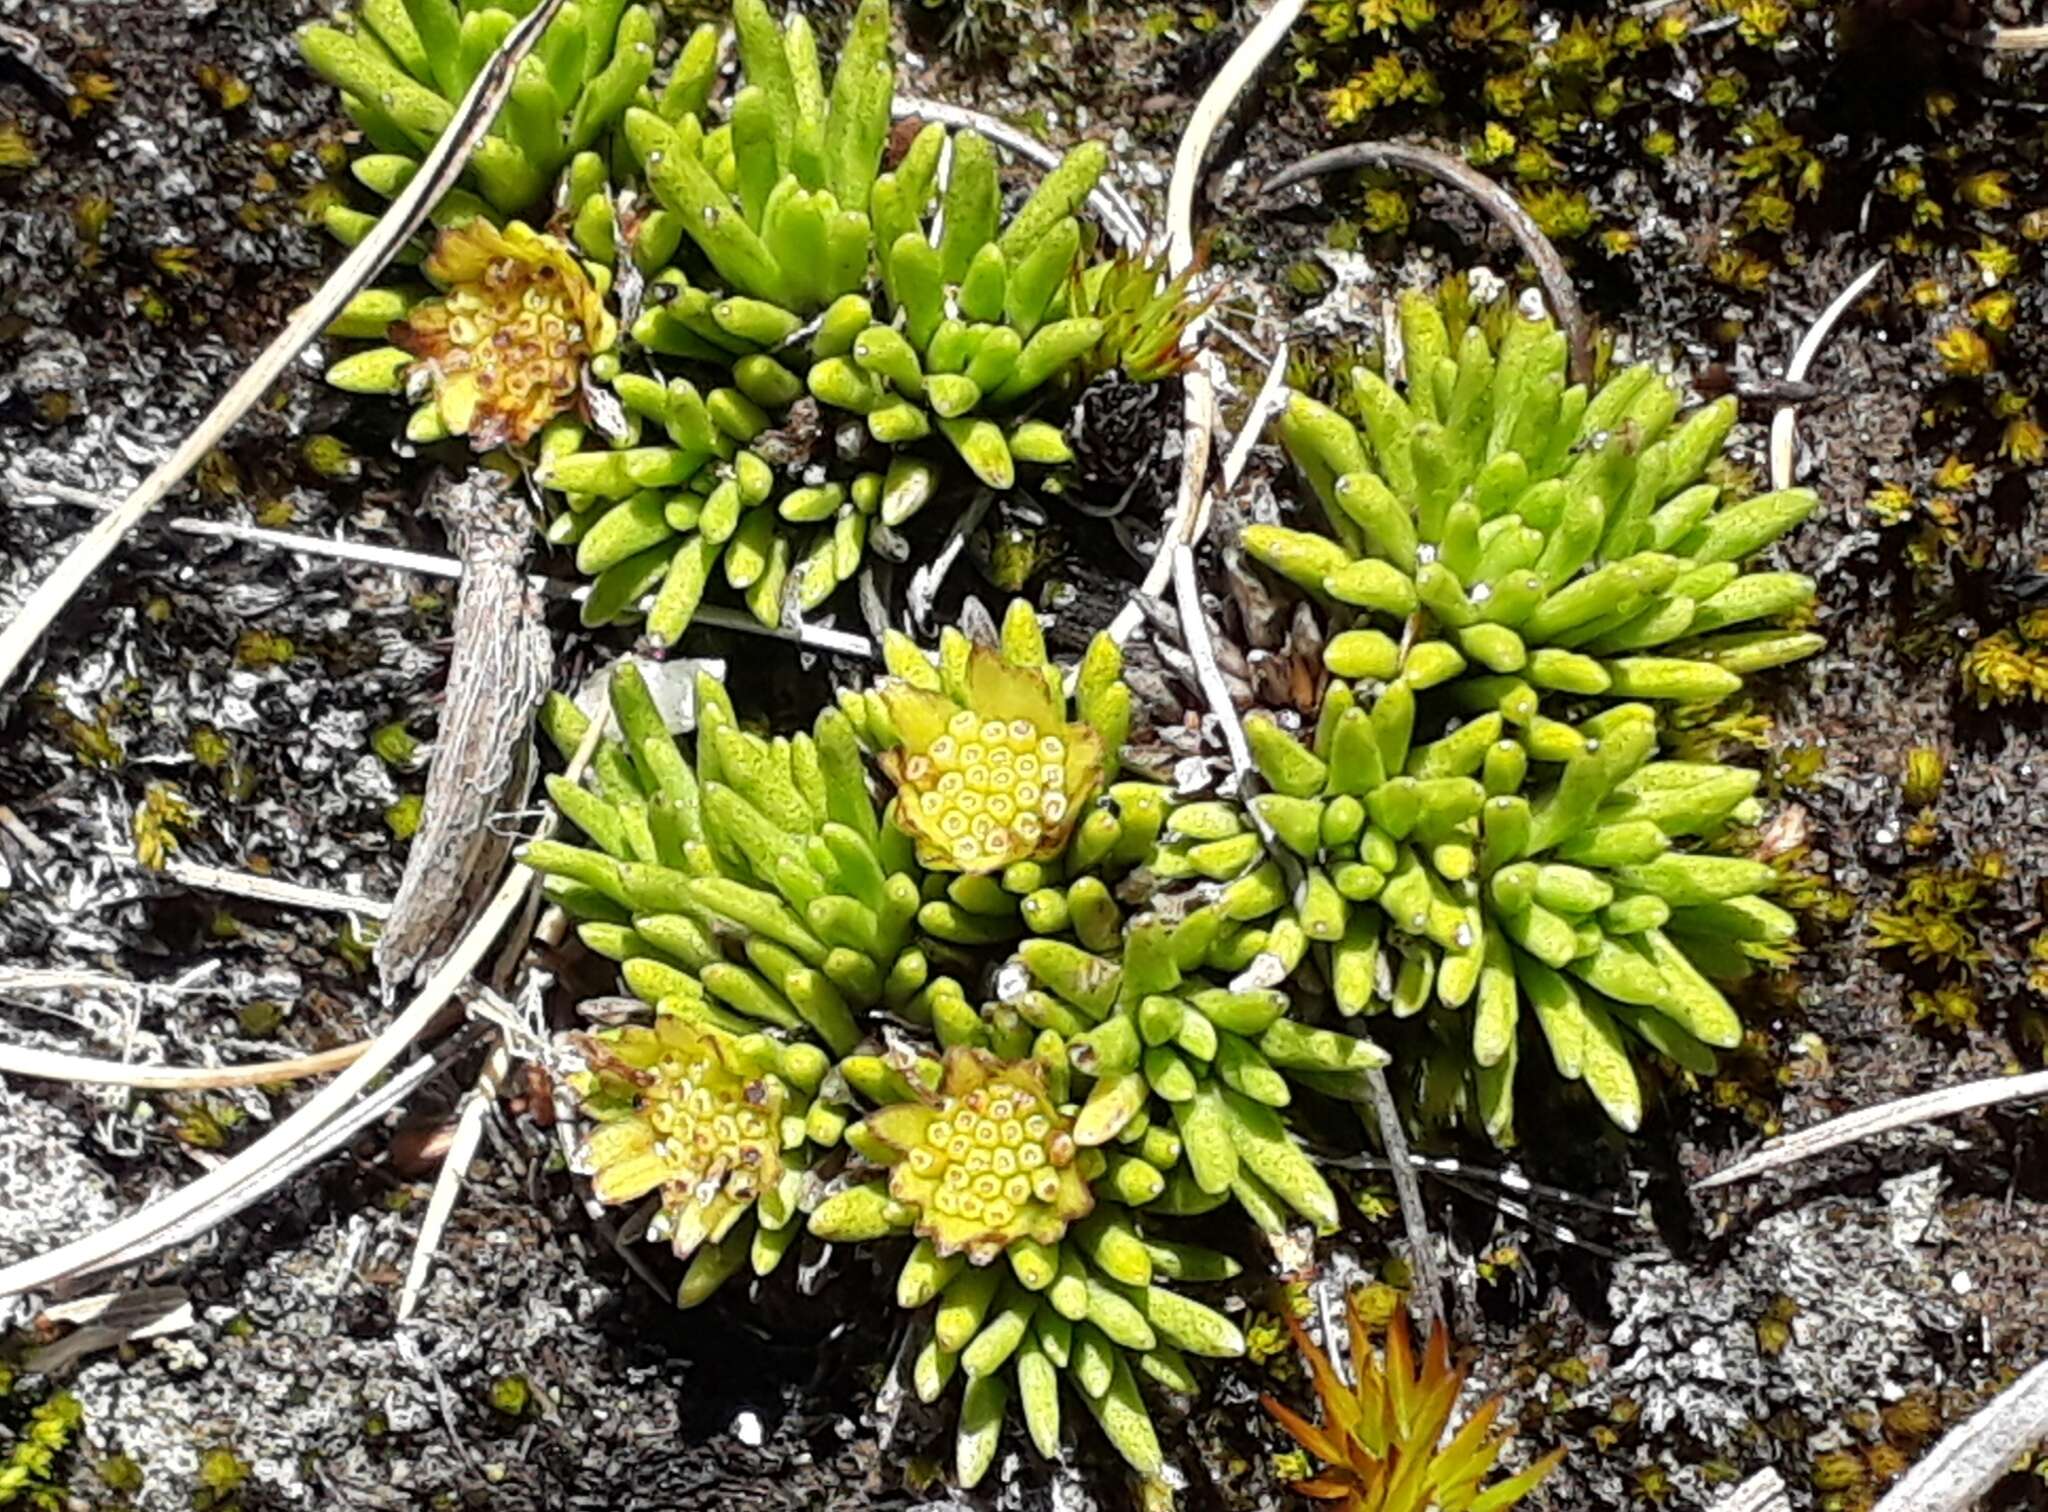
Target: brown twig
(1959, 1472)
(498, 673)
(1496, 201)
(1804, 1144)
(261, 889)
(56, 1065)
(2002, 38)
(448, 1184)
(437, 175)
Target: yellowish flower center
(989, 790)
(507, 343)
(517, 329)
(989, 1156)
(713, 1129)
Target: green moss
(36, 1470)
(330, 457)
(1923, 776)
(210, 748)
(259, 1019)
(1563, 214)
(92, 741)
(120, 1473)
(204, 1123)
(1774, 1328)
(2010, 666)
(403, 818)
(1953, 1007)
(354, 942)
(1937, 914)
(160, 819)
(256, 648)
(18, 151)
(395, 745)
(222, 1473)
(511, 1395)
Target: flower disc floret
(679, 1110)
(1002, 778)
(504, 348)
(989, 1160)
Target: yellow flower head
(986, 1160)
(680, 1108)
(505, 346)
(999, 778)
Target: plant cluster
(1025, 1009)
(1508, 547)
(2010, 666)
(1729, 124)
(733, 340)
(820, 1057)
(1938, 920)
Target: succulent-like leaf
(1381, 1440)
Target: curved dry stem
(2004, 38)
(1804, 1144)
(361, 1114)
(1496, 201)
(1783, 437)
(57, 1065)
(1210, 112)
(1108, 201)
(1190, 515)
(1959, 1472)
(437, 174)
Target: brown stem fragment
(483, 761)
(1496, 201)
(54, 1065)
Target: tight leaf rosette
(773, 852)
(1505, 875)
(405, 65)
(1031, 1277)
(1382, 1441)
(988, 768)
(1196, 1070)
(814, 344)
(757, 887)
(1538, 531)
(989, 1160)
(711, 1120)
(834, 339)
